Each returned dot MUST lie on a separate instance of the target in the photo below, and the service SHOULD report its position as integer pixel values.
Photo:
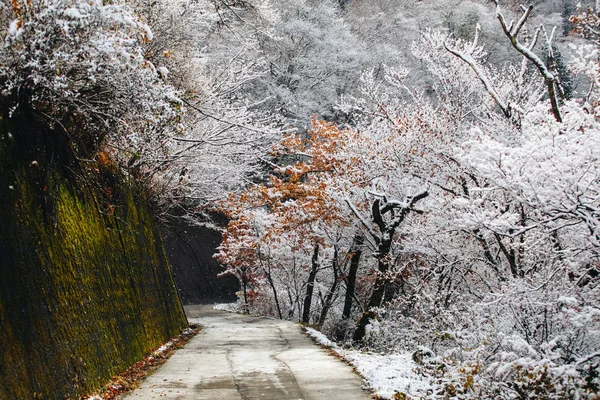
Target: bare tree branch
(504, 106)
(512, 32)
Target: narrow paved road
(239, 357)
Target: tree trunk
(310, 286)
(510, 256)
(329, 298)
(292, 304)
(398, 213)
(351, 279)
(272, 284)
(383, 266)
(266, 268)
(245, 308)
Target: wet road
(241, 357)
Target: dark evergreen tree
(556, 63)
(569, 8)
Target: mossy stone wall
(85, 287)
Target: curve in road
(240, 357)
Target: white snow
(321, 338)
(73, 13)
(149, 34)
(163, 348)
(14, 28)
(231, 307)
(163, 71)
(385, 374)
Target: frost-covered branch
(512, 32)
(362, 220)
(504, 106)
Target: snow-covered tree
(80, 66)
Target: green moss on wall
(85, 287)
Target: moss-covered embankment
(85, 288)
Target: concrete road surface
(241, 357)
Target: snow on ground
(231, 307)
(384, 374)
(158, 352)
(390, 373)
(321, 339)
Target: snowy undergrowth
(384, 374)
(230, 307)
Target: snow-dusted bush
(521, 340)
(80, 66)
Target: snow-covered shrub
(80, 66)
(517, 342)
